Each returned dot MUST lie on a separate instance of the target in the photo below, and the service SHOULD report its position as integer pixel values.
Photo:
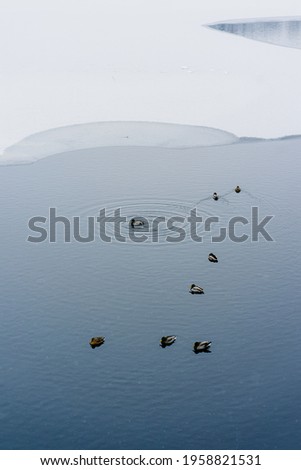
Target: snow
(113, 134)
(73, 62)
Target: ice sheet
(113, 134)
(64, 63)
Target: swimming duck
(212, 258)
(167, 340)
(136, 223)
(201, 346)
(215, 196)
(97, 341)
(237, 189)
(196, 289)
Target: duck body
(136, 223)
(212, 258)
(196, 289)
(97, 341)
(167, 341)
(199, 346)
(215, 196)
(237, 189)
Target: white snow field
(74, 62)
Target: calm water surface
(282, 32)
(58, 393)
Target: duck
(215, 196)
(199, 346)
(237, 189)
(167, 340)
(136, 223)
(196, 289)
(212, 258)
(97, 341)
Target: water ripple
(160, 212)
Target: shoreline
(113, 134)
(109, 134)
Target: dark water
(56, 392)
(279, 32)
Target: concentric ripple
(167, 220)
(159, 217)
